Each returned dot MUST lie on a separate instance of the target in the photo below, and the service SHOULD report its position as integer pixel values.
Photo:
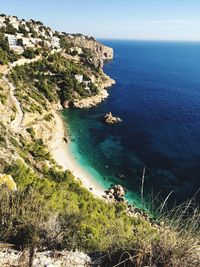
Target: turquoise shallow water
(85, 161)
(157, 95)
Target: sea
(157, 96)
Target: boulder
(112, 190)
(117, 192)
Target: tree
(10, 29)
(4, 43)
(22, 29)
(6, 55)
(29, 53)
(22, 216)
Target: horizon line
(146, 40)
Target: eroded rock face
(110, 119)
(95, 62)
(104, 52)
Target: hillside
(43, 207)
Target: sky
(114, 19)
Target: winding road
(17, 122)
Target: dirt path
(17, 122)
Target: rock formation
(102, 51)
(92, 101)
(11, 257)
(110, 119)
(116, 192)
(94, 61)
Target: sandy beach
(61, 153)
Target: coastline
(60, 151)
(93, 101)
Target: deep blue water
(157, 95)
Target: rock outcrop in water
(110, 119)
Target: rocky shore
(97, 99)
(117, 194)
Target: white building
(79, 78)
(76, 49)
(86, 84)
(12, 40)
(13, 43)
(55, 42)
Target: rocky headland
(93, 101)
(101, 51)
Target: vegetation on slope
(51, 209)
(52, 78)
(6, 55)
(84, 222)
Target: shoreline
(60, 151)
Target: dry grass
(176, 244)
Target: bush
(22, 29)
(48, 117)
(79, 221)
(91, 223)
(29, 53)
(10, 29)
(21, 217)
(31, 132)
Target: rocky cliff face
(102, 51)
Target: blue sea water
(157, 95)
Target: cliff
(100, 50)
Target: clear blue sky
(119, 19)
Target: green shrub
(29, 53)
(6, 55)
(48, 117)
(31, 132)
